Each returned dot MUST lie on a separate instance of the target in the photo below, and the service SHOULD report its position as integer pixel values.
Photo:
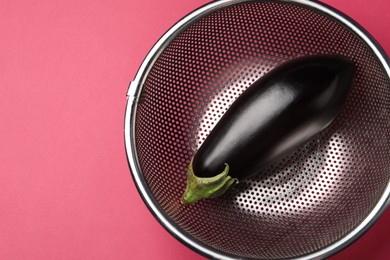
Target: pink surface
(65, 187)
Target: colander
(308, 205)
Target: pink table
(65, 188)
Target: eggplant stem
(206, 187)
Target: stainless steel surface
(310, 204)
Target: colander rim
(134, 91)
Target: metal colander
(308, 205)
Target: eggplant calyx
(206, 187)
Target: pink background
(65, 188)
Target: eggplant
(269, 120)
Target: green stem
(206, 187)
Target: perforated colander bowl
(308, 205)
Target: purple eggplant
(269, 120)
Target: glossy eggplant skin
(276, 115)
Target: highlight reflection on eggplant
(274, 116)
